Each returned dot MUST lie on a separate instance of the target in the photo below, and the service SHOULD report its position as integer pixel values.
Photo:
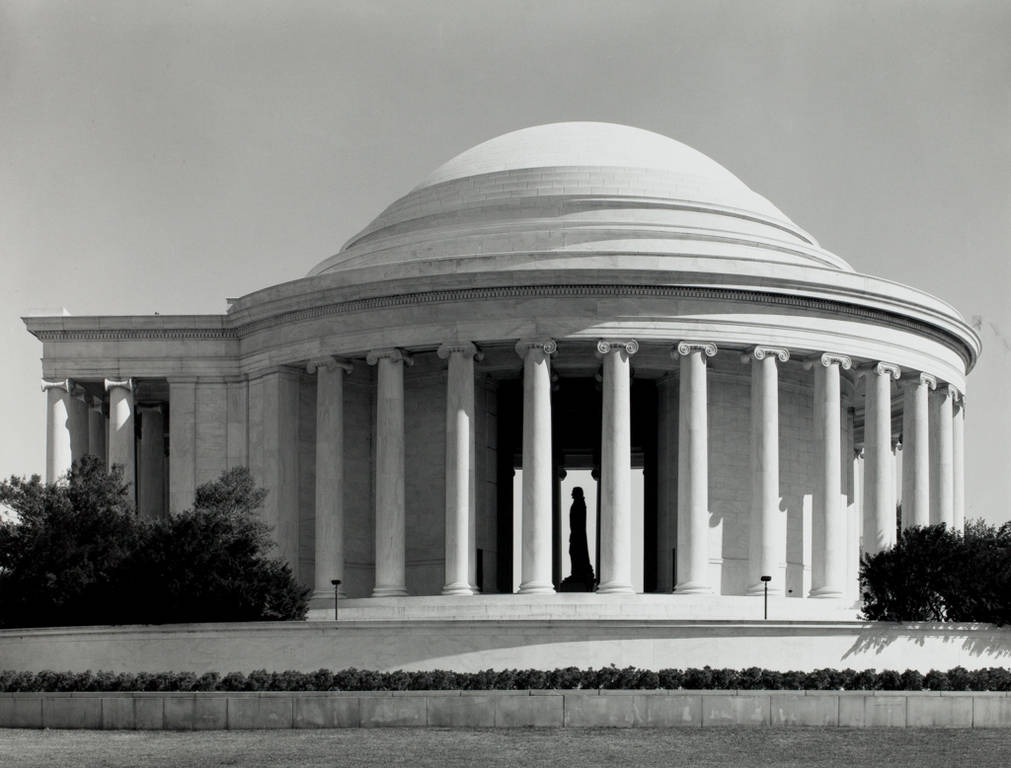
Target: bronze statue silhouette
(581, 579)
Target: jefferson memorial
(575, 300)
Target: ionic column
(879, 475)
(58, 453)
(460, 471)
(391, 520)
(96, 430)
(616, 467)
(151, 477)
(537, 480)
(828, 516)
(916, 451)
(942, 508)
(329, 524)
(121, 429)
(693, 469)
(958, 465)
(767, 543)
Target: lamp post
(336, 589)
(765, 583)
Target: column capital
(683, 348)
(883, 369)
(97, 404)
(628, 346)
(330, 363)
(924, 379)
(63, 384)
(828, 359)
(760, 353)
(151, 408)
(948, 390)
(548, 346)
(393, 354)
(120, 383)
(466, 348)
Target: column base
(693, 588)
(827, 592)
(536, 588)
(458, 589)
(615, 588)
(389, 592)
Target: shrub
(936, 574)
(78, 554)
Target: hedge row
(753, 678)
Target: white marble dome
(572, 193)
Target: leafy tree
(78, 554)
(210, 563)
(936, 574)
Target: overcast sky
(160, 157)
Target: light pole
(765, 583)
(336, 589)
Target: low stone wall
(472, 645)
(504, 709)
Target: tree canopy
(936, 574)
(78, 554)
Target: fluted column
(151, 478)
(942, 508)
(121, 429)
(615, 566)
(916, 451)
(828, 515)
(767, 541)
(693, 469)
(958, 464)
(879, 474)
(58, 453)
(460, 475)
(537, 480)
(96, 429)
(329, 522)
(391, 520)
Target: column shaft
(460, 476)
(879, 474)
(943, 511)
(122, 439)
(58, 451)
(391, 519)
(767, 540)
(667, 481)
(537, 476)
(916, 452)
(958, 465)
(829, 541)
(693, 471)
(79, 423)
(616, 468)
(329, 523)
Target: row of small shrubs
(707, 678)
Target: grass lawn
(751, 747)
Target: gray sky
(158, 157)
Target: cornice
(547, 290)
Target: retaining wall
(468, 646)
(504, 709)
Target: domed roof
(577, 187)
